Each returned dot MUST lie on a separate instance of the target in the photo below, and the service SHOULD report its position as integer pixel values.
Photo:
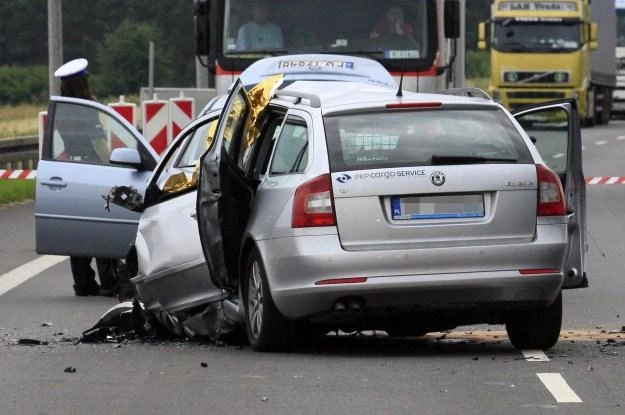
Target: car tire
(267, 329)
(536, 329)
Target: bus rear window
(422, 138)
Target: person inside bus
(392, 24)
(259, 33)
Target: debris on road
(204, 364)
(31, 342)
(70, 369)
(47, 324)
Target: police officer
(75, 83)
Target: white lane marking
(25, 272)
(600, 142)
(561, 391)
(612, 180)
(620, 137)
(558, 156)
(535, 355)
(595, 180)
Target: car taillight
(313, 205)
(550, 193)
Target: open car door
(555, 128)
(225, 194)
(75, 172)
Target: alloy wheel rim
(255, 300)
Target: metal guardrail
(19, 153)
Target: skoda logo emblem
(437, 178)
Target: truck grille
(535, 95)
(537, 77)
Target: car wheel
(536, 329)
(267, 329)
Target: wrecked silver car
(357, 207)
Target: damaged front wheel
(267, 329)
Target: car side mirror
(452, 19)
(126, 157)
(125, 196)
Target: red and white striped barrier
(155, 117)
(17, 174)
(126, 110)
(181, 112)
(606, 180)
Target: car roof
(321, 67)
(334, 96)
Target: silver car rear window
(426, 137)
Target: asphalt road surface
(470, 370)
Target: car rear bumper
(437, 278)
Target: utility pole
(55, 44)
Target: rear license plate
(437, 207)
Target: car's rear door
(555, 128)
(224, 196)
(75, 172)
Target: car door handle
(54, 182)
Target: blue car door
(75, 172)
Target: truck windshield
(540, 37)
(620, 27)
(393, 29)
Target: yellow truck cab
(546, 50)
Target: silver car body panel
(172, 273)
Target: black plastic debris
(204, 364)
(31, 342)
(125, 321)
(70, 369)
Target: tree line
(114, 36)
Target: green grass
(16, 191)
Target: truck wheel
(536, 329)
(267, 329)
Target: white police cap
(73, 69)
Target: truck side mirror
(481, 36)
(592, 44)
(452, 19)
(202, 33)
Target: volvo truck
(543, 50)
